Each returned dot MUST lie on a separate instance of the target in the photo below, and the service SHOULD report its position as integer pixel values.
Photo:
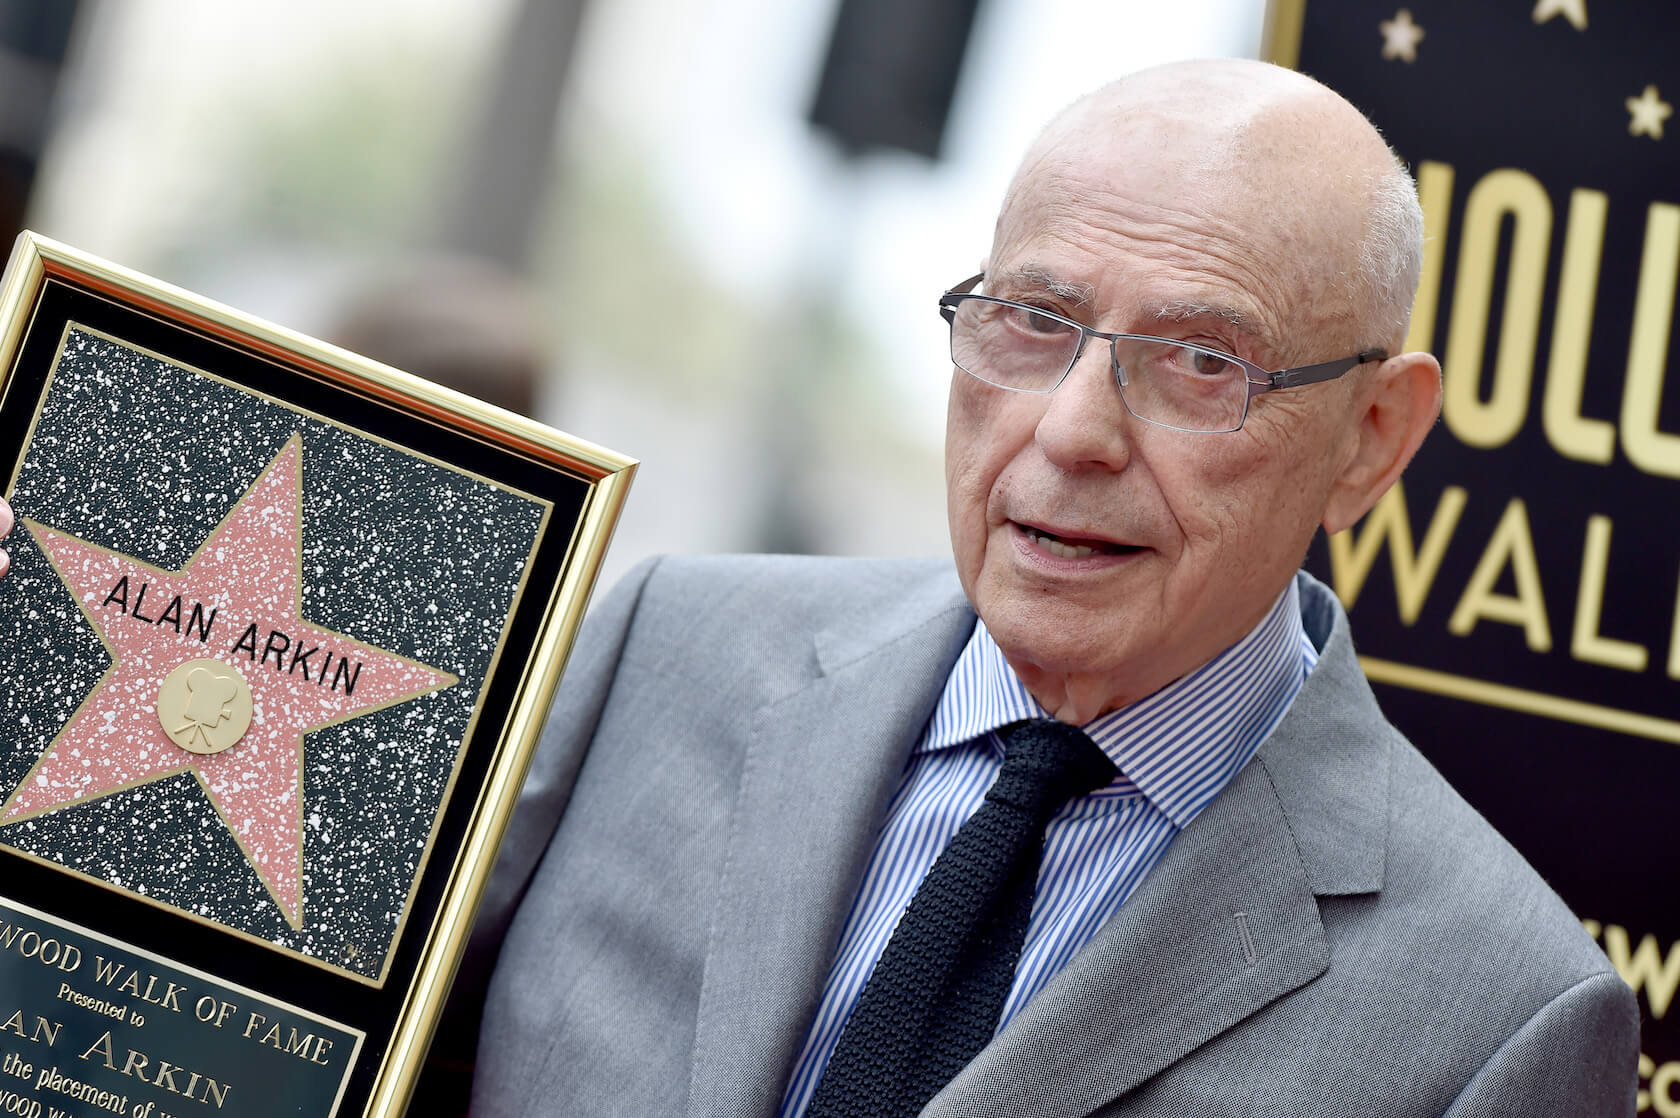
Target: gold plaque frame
(71, 323)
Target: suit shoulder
(797, 591)
(1418, 864)
(769, 617)
(793, 576)
(1447, 868)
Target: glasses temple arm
(948, 304)
(1329, 370)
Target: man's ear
(1397, 407)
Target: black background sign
(1516, 598)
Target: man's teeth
(1058, 548)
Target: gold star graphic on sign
(1574, 10)
(1649, 111)
(1400, 36)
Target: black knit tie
(935, 995)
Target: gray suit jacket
(1337, 934)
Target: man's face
(1109, 556)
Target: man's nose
(1085, 423)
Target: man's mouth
(1073, 547)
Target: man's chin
(1055, 655)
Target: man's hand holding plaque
(5, 527)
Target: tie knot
(1046, 763)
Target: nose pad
(1081, 425)
(1124, 382)
(1115, 370)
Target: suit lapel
(821, 765)
(1225, 923)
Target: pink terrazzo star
(301, 676)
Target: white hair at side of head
(1390, 253)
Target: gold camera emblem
(205, 706)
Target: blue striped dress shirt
(1176, 750)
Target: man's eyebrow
(1033, 276)
(1183, 310)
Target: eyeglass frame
(1268, 381)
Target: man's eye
(1033, 323)
(1209, 364)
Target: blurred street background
(615, 214)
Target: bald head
(1257, 144)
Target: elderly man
(1116, 826)
(731, 889)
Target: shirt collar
(1181, 745)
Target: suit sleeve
(566, 735)
(1577, 1056)
(547, 789)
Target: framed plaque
(280, 632)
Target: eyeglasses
(1181, 385)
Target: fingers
(5, 527)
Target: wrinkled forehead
(1247, 195)
(1144, 167)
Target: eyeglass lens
(1169, 383)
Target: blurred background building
(621, 204)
